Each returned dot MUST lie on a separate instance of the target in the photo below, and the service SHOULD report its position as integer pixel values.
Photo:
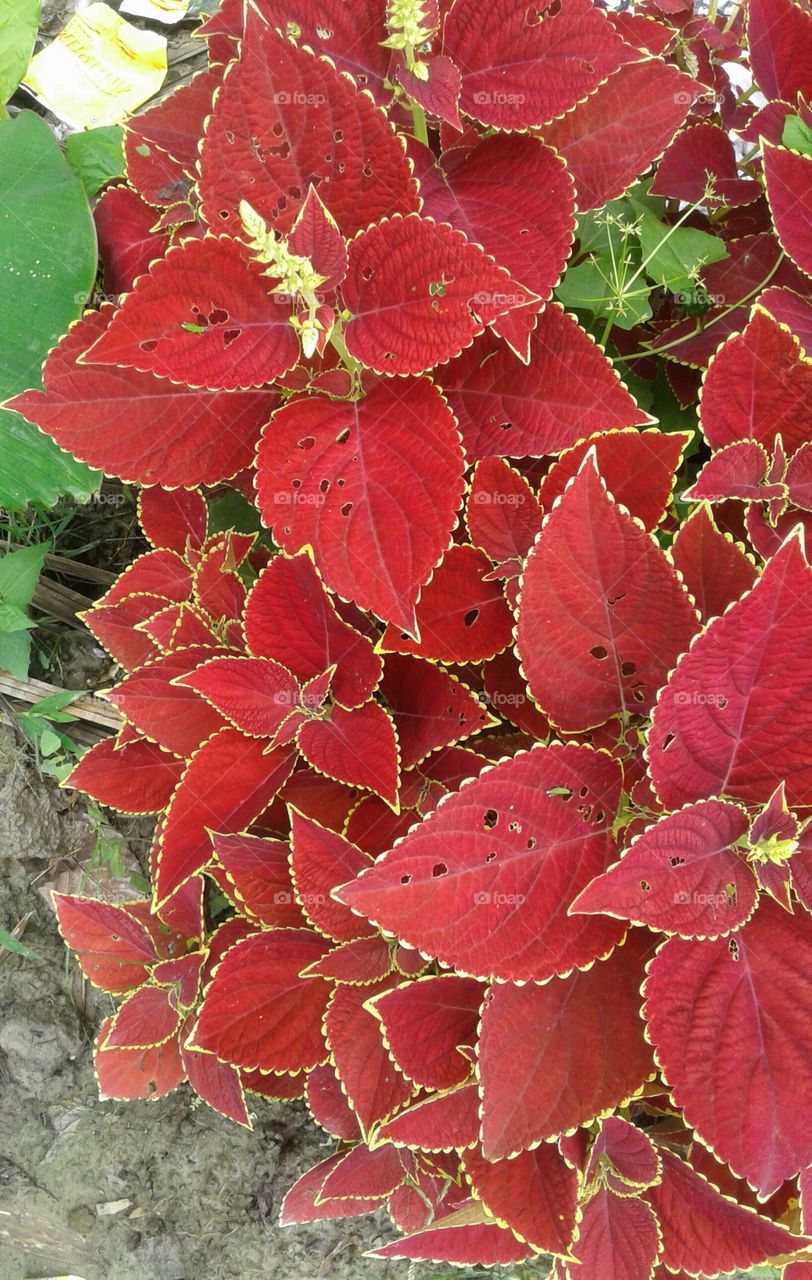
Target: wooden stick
(89, 707)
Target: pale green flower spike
(774, 849)
(296, 275)
(405, 19)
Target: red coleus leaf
(359, 963)
(226, 785)
(612, 137)
(159, 573)
(173, 126)
(131, 1074)
(779, 35)
(445, 1121)
(513, 196)
(259, 881)
(290, 618)
(274, 130)
(462, 615)
(138, 777)
(758, 386)
(791, 310)
(682, 875)
(632, 1155)
(258, 1012)
(272, 1084)
(217, 1083)
(420, 292)
(218, 588)
(734, 717)
(789, 191)
(173, 519)
(328, 1104)
(715, 569)
(502, 515)
(364, 1173)
(603, 616)
(146, 1019)
(321, 860)
(521, 67)
(302, 1204)
(506, 693)
(128, 240)
(483, 883)
(372, 1084)
(112, 947)
(430, 707)
(439, 92)
(638, 468)
(316, 237)
(703, 152)
(567, 391)
(730, 1023)
(701, 1228)
(464, 1237)
(373, 487)
(183, 974)
(257, 695)
(535, 1078)
(424, 1022)
(205, 316)
(617, 1239)
(741, 470)
(357, 747)
(535, 1195)
(114, 626)
(137, 426)
(798, 478)
(153, 700)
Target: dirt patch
(143, 1191)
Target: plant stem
(420, 127)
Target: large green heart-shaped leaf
(19, 20)
(46, 275)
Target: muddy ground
(141, 1191)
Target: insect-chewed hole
(490, 819)
(439, 869)
(368, 272)
(667, 740)
(230, 336)
(470, 617)
(491, 857)
(628, 668)
(406, 879)
(346, 509)
(149, 345)
(645, 886)
(296, 484)
(599, 651)
(338, 135)
(277, 129)
(343, 437)
(584, 792)
(733, 948)
(676, 860)
(324, 485)
(638, 695)
(588, 67)
(306, 442)
(367, 170)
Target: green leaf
(47, 271)
(15, 653)
(19, 20)
(19, 574)
(14, 619)
(587, 286)
(9, 943)
(96, 156)
(674, 255)
(56, 702)
(797, 135)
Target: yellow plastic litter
(167, 11)
(98, 69)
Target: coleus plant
(482, 775)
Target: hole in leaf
(367, 170)
(491, 856)
(324, 486)
(306, 442)
(407, 879)
(733, 948)
(490, 819)
(338, 135)
(149, 345)
(667, 740)
(638, 695)
(296, 484)
(676, 860)
(230, 335)
(439, 869)
(599, 651)
(343, 436)
(645, 886)
(628, 668)
(346, 509)
(531, 844)
(470, 617)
